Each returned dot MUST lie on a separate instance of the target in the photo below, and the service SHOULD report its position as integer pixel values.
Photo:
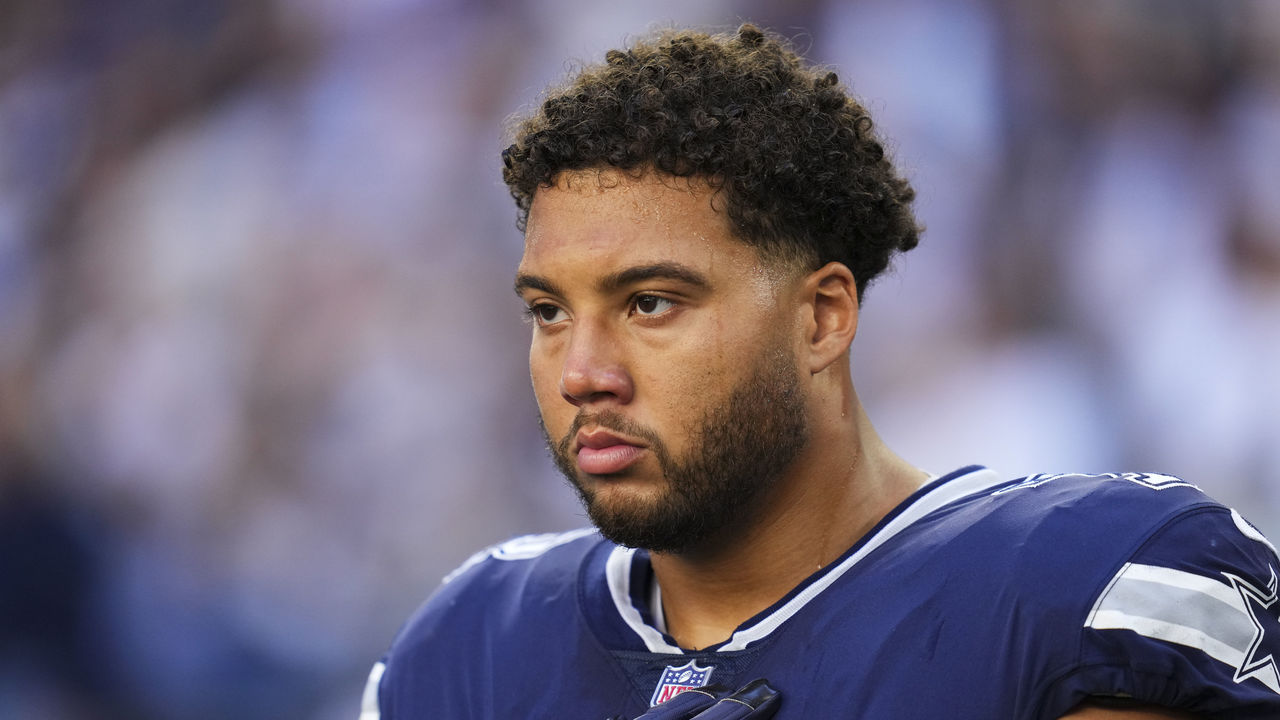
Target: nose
(593, 369)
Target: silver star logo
(1258, 603)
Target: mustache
(611, 420)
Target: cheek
(545, 377)
(677, 391)
(707, 372)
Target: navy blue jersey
(976, 598)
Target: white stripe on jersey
(1251, 532)
(948, 493)
(618, 569)
(524, 547)
(1190, 610)
(369, 701)
(618, 573)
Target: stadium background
(262, 380)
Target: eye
(544, 314)
(651, 305)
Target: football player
(702, 218)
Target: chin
(621, 495)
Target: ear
(833, 295)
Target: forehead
(611, 218)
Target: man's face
(663, 357)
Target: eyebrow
(655, 271)
(622, 278)
(535, 282)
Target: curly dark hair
(802, 174)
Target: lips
(601, 452)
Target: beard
(738, 450)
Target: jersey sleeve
(450, 656)
(1190, 622)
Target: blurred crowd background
(262, 377)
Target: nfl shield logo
(676, 680)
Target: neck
(825, 503)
